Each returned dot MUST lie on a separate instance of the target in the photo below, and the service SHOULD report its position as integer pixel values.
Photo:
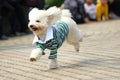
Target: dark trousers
(8, 14)
(0, 25)
(21, 18)
(16, 17)
(115, 7)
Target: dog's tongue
(34, 29)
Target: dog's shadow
(89, 63)
(86, 63)
(80, 64)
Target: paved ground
(98, 59)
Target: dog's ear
(50, 17)
(53, 14)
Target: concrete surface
(98, 59)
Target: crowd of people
(14, 16)
(87, 11)
(14, 13)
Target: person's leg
(0, 25)
(21, 18)
(10, 12)
(99, 13)
(116, 7)
(2, 36)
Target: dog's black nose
(31, 26)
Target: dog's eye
(37, 21)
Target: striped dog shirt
(55, 36)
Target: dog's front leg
(53, 64)
(36, 54)
(53, 59)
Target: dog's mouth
(34, 29)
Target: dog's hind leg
(76, 46)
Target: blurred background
(14, 13)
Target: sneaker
(3, 37)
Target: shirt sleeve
(38, 45)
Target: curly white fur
(40, 20)
(35, 54)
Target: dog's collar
(49, 35)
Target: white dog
(51, 27)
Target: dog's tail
(66, 13)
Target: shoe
(27, 32)
(3, 37)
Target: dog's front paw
(32, 59)
(53, 64)
(35, 54)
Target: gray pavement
(98, 59)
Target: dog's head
(40, 20)
(37, 21)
